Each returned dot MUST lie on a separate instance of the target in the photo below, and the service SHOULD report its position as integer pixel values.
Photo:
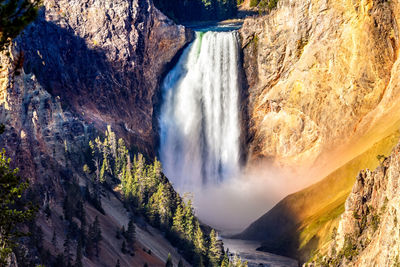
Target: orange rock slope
(322, 75)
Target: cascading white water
(199, 119)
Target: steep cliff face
(303, 222)
(84, 65)
(318, 74)
(323, 89)
(368, 231)
(103, 60)
(81, 66)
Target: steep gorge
(318, 74)
(322, 90)
(367, 234)
(323, 93)
(83, 65)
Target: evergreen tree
(121, 158)
(199, 241)
(178, 220)
(78, 258)
(81, 212)
(131, 233)
(214, 249)
(13, 210)
(102, 178)
(54, 239)
(225, 260)
(189, 220)
(169, 261)
(118, 234)
(67, 209)
(47, 211)
(123, 247)
(94, 236)
(67, 251)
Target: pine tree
(121, 158)
(139, 178)
(159, 206)
(169, 261)
(98, 236)
(67, 209)
(225, 260)
(38, 236)
(11, 215)
(189, 220)
(123, 247)
(214, 249)
(78, 259)
(67, 251)
(178, 224)
(54, 239)
(118, 234)
(199, 241)
(94, 236)
(102, 178)
(131, 233)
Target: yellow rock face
(324, 76)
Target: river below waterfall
(200, 131)
(247, 251)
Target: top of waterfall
(217, 27)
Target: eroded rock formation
(368, 230)
(87, 63)
(81, 66)
(318, 75)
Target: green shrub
(375, 222)
(253, 3)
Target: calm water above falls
(199, 119)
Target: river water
(200, 126)
(247, 251)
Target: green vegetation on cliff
(303, 222)
(14, 211)
(147, 193)
(264, 4)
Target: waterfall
(199, 120)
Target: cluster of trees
(264, 5)
(15, 211)
(130, 237)
(147, 193)
(195, 10)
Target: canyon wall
(324, 94)
(83, 65)
(318, 75)
(368, 231)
